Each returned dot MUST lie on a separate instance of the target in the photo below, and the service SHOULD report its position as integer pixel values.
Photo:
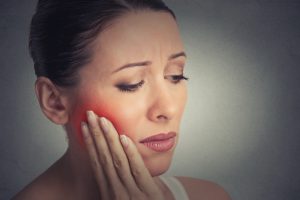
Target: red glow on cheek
(102, 110)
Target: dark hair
(62, 30)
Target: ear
(53, 102)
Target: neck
(77, 170)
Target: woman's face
(150, 41)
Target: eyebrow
(146, 63)
(176, 55)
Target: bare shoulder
(203, 189)
(33, 191)
(46, 186)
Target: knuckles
(136, 172)
(105, 160)
(96, 131)
(118, 163)
(95, 163)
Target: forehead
(139, 36)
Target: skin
(155, 107)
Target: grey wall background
(242, 122)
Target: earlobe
(52, 102)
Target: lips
(161, 142)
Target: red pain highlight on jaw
(79, 115)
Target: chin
(158, 166)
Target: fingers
(97, 168)
(104, 155)
(119, 157)
(141, 174)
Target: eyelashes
(175, 79)
(130, 88)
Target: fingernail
(84, 129)
(124, 140)
(104, 124)
(91, 115)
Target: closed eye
(177, 78)
(130, 87)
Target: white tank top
(176, 187)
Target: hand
(118, 167)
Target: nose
(164, 105)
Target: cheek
(121, 113)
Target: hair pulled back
(62, 31)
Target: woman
(111, 73)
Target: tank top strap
(176, 187)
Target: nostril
(162, 117)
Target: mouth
(160, 142)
